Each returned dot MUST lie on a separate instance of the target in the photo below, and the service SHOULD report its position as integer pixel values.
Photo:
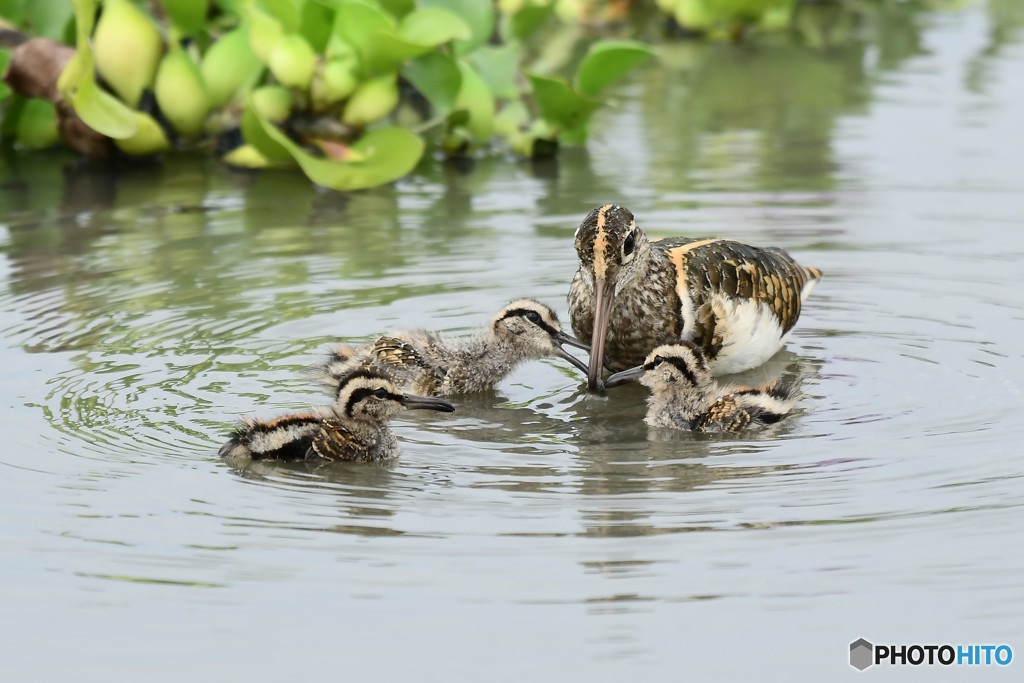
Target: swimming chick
(432, 364)
(685, 396)
(631, 293)
(354, 428)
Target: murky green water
(538, 529)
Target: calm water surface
(536, 530)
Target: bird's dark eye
(533, 317)
(629, 244)
(381, 393)
(658, 360)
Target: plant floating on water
(346, 90)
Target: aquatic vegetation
(351, 92)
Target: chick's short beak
(414, 402)
(624, 377)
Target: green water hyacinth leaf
(13, 10)
(478, 15)
(387, 51)
(527, 20)
(387, 155)
(498, 67)
(559, 104)
(288, 12)
(607, 62)
(188, 16)
(316, 24)
(48, 19)
(475, 97)
(382, 46)
(37, 125)
(100, 110)
(12, 112)
(4, 58)
(398, 8)
(358, 25)
(254, 133)
(436, 76)
(433, 26)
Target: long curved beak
(414, 402)
(561, 338)
(604, 297)
(631, 375)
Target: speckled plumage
(432, 364)
(737, 302)
(355, 427)
(684, 395)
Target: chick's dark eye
(658, 360)
(629, 244)
(381, 393)
(533, 317)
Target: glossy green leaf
(188, 16)
(437, 78)
(475, 97)
(254, 133)
(398, 8)
(288, 12)
(607, 62)
(433, 26)
(37, 125)
(100, 110)
(317, 22)
(497, 66)
(528, 19)
(559, 104)
(513, 118)
(5, 57)
(478, 15)
(12, 112)
(13, 10)
(358, 24)
(48, 19)
(85, 21)
(387, 155)
(384, 52)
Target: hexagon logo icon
(861, 654)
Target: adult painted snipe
(736, 302)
